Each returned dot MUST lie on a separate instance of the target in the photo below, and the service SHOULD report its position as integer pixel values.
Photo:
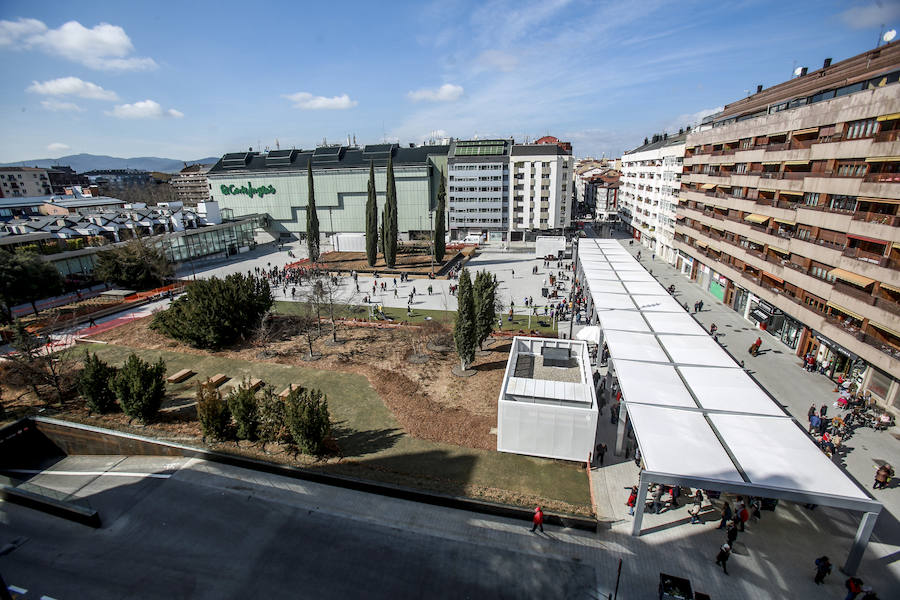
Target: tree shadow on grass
(353, 442)
(490, 366)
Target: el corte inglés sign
(247, 190)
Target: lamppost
(431, 229)
(572, 288)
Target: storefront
(717, 286)
(741, 301)
(684, 263)
(704, 274)
(836, 360)
(787, 329)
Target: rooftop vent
(759, 88)
(827, 63)
(280, 158)
(803, 71)
(236, 160)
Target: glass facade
(227, 238)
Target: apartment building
(191, 184)
(541, 190)
(478, 188)
(789, 214)
(651, 181)
(601, 196)
(24, 182)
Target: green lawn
(418, 315)
(367, 431)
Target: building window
(811, 199)
(847, 203)
(852, 169)
(862, 128)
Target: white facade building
(540, 188)
(648, 194)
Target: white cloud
(71, 86)
(145, 109)
(57, 147)
(13, 31)
(446, 93)
(691, 118)
(57, 106)
(871, 15)
(104, 47)
(497, 60)
(306, 101)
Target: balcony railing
(869, 257)
(878, 218)
(849, 290)
(882, 178)
(888, 136)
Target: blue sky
(193, 79)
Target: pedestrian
(696, 306)
(722, 557)
(811, 411)
(731, 534)
(514, 276)
(600, 452)
(823, 569)
(713, 329)
(657, 505)
(700, 306)
(538, 519)
(429, 289)
(854, 587)
(883, 476)
(741, 516)
(726, 515)
(823, 410)
(632, 499)
(395, 292)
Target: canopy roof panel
(622, 320)
(695, 350)
(650, 288)
(649, 383)
(789, 460)
(634, 346)
(697, 452)
(681, 323)
(729, 390)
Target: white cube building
(548, 405)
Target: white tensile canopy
(679, 384)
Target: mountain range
(92, 162)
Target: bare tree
(51, 375)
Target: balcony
(882, 178)
(877, 218)
(869, 257)
(888, 136)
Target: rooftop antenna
(798, 71)
(888, 36)
(277, 145)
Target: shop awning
(893, 288)
(785, 221)
(851, 277)
(866, 239)
(771, 162)
(707, 186)
(896, 245)
(796, 162)
(807, 130)
(884, 328)
(766, 190)
(883, 159)
(728, 164)
(773, 277)
(791, 193)
(890, 117)
(700, 243)
(844, 310)
(724, 186)
(780, 250)
(755, 218)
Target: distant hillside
(91, 162)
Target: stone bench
(180, 376)
(217, 380)
(287, 391)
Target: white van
(472, 238)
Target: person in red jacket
(538, 519)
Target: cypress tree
(485, 296)
(439, 245)
(390, 218)
(312, 218)
(371, 220)
(465, 332)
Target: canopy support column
(866, 525)
(620, 432)
(639, 505)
